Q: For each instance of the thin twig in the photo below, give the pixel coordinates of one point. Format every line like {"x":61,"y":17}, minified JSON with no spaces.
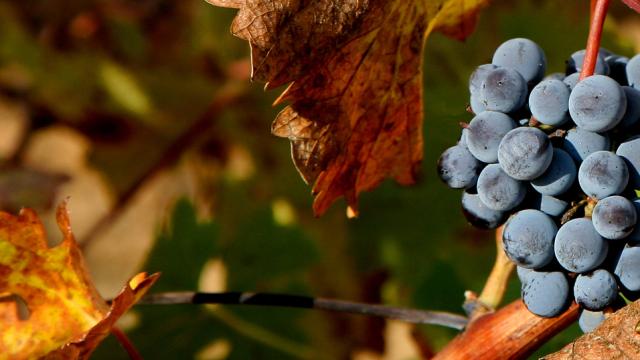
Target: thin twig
{"x":450,"y":320}
{"x":496,"y":285}
{"x":126,"y":343}
{"x":228,"y":94}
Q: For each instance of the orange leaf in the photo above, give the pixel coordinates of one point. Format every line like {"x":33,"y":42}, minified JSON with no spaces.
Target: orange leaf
{"x":356,"y":83}
{"x":66,"y":313}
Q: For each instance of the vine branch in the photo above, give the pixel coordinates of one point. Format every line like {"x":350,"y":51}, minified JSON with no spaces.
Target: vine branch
{"x":598,"y":14}
{"x":415,"y":316}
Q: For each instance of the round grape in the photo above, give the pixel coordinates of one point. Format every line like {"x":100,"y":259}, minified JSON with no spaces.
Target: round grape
{"x":596,"y":290}
{"x":478,"y":214}
{"x":549,"y":102}
{"x":571,"y":80}
{"x":579,"y":143}
{"x":603,"y":174}
{"x":525,"y":153}
{"x":632,"y":112}
{"x":630,"y":152}
{"x":559,"y":176}
{"x":618,"y":68}
{"x":578,"y":246}
{"x":485,"y":132}
{"x":522,"y":55}
{"x":528,"y":238}
{"x":497,"y":190}
{"x":458,"y":168}
{"x":574,"y":64}
{"x":633,"y":71}
{"x":627,"y":268}
{"x":614,"y":217}
{"x":546,"y":294}
{"x":597,"y":103}
{"x":503,"y":90}
{"x":550,"y":205}
{"x":589,"y":320}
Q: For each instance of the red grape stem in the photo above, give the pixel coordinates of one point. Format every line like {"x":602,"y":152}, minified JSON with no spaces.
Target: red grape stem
{"x":598,"y":14}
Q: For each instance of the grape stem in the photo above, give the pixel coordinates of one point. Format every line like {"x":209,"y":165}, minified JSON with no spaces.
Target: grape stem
{"x":446,"y":319}
{"x":496,"y":284}
{"x":598,"y":14}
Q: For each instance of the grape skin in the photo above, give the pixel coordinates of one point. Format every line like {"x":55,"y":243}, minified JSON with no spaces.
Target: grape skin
{"x":571,"y":80}
{"x":458,"y":168}
{"x":559,"y":176}
{"x":485,"y":132}
{"x":549,"y":102}
{"x":597,"y":103}
{"x":633,"y":71}
{"x":478,"y":214}
{"x":475,"y":84}
{"x":614,"y":217}
{"x":603,"y":174}
{"x":545,"y":294}
{"x":528,"y":238}
{"x":627,"y":268}
{"x":630,"y":152}
{"x":589,"y":320}
{"x":552,"y":206}
{"x":574,"y":64}
{"x":596,"y":290}
{"x":580,"y":143}
{"x":618,"y":68}
{"x":578,"y":246}
{"x":522,"y":55}
{"x":632,"y":112}
{"x":525,"y":153}
{"x":503,"y":90}
{"x":497,"y":190}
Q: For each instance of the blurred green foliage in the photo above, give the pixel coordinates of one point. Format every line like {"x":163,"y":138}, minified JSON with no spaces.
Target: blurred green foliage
{"x":133,"y":75}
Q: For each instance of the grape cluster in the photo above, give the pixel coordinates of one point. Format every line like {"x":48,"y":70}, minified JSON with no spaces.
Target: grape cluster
{"x":558,"y":160}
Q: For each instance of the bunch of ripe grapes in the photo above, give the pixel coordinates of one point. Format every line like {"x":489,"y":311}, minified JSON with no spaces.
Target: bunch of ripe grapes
{"x":558,"y":159}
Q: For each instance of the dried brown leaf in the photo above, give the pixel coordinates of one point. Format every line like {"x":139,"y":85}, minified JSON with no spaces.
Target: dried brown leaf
{"x":354,"y":69}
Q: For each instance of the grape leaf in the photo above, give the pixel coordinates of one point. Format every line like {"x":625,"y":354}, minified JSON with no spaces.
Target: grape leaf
{"x":66,"y":317}
{"x":634,"y":4}
{"x":354,"y":69}
{"x":618,"y":337}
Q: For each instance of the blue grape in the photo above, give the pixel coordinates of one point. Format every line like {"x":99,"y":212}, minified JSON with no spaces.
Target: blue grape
{"x":559,"y":176}
{"x":485,"y":132}
{"x":630,"y":152}
{"x":503,"y":90}
{"x":478,"y":76}
{"x":634,"y":237}
{"x":579,"y":143}
{"x":555,"y":76}
{"x":463,"y":138}
{"x":475,"y":84}
{"x":578,"y":246}
{"x":525,"y":153}
{"x":546,"y":294}
{"x":458,"y":168}
{"x":571,"y":80}
{"x":614,"y":217}
{"x":528,"y":238}
{"x":478,"y":214}
{"x":597,"y":103}
{"x":632,"y":112}
{"x":523,"y":273}
{"x":522,"y":55}
{"x":633,"y":71}
{"x":603,"y":174}
{"x":574,"y":64}
{"x":549,"y":102}
{"x":627,"y":268}
{"x":589,"y":320}
{"x":550,"y":205}
{"x":497,"y":190}
{"x":596,"y":290}
{"x":618,"y":68}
